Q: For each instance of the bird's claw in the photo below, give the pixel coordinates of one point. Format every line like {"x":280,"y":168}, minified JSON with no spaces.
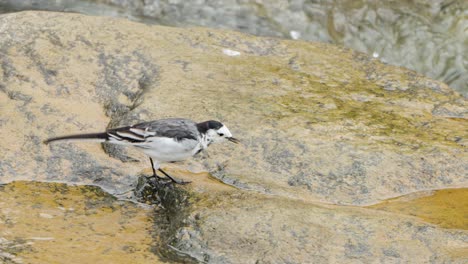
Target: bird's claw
{"x":167,"y":180}
{"x":181,"y":182}
{"x":156,"y":177}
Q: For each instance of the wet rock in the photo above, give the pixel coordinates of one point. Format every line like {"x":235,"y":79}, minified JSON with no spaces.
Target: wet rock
{"x":442,"y":207}
{"x":319,"y":125}
{"x":173,"y":207}
{"x":55,"y":222}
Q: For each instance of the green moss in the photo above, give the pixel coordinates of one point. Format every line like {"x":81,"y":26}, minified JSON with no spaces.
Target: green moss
{"x":378,"y":117}
{"x":374,"y":102}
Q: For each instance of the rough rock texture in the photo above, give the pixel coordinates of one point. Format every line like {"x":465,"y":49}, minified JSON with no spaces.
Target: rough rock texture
{"x":229,"y":228}
{"x":318,"y":124}
{"x":384,"y":29}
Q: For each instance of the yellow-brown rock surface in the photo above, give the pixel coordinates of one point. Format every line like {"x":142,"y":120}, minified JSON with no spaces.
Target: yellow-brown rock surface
{"x":320,"y":125}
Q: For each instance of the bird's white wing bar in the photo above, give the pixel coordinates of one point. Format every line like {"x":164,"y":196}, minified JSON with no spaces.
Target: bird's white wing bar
{"x":145,"y":133}
{"x":125,"y":134}
{"x":114,"y":137}
{"x":130,"y":134}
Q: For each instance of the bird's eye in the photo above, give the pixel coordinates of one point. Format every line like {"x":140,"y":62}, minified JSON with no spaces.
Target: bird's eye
{"x":221,"y":134}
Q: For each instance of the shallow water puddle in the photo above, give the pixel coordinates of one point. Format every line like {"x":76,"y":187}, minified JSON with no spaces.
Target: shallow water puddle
{"x":59,"y":223}
{"x":447,"y":208}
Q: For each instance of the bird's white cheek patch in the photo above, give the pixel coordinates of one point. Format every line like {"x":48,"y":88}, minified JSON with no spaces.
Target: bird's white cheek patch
{"x":225,"y":131}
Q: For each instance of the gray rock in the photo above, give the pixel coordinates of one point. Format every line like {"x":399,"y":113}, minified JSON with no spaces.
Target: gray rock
{"x":319,"y":125}
{"x":423,"y":35}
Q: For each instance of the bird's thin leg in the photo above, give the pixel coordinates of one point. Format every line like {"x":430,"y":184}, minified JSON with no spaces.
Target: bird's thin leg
{"x":154,"y":171}
{"x":152,"y":167}
{"x":172,"y":179}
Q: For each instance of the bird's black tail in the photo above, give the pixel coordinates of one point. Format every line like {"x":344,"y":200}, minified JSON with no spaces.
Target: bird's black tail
{"x":96,"y":137}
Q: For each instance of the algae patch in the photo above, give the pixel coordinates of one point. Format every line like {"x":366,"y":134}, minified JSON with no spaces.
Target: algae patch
{"x":59,"y":223}
{"x":173,"y":208}
{"x":447,"y":208}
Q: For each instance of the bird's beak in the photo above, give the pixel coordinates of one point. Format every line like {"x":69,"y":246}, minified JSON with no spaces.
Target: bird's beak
{"x":233,"y":140}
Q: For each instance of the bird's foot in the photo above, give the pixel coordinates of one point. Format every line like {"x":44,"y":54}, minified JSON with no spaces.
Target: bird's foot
{"x":167,"y":180}
{"x":157,"y":190}
{"x":156,"y":181}
{"x":155,"y":177}
{"x":174,"y":180}
{"x":181,"y":182}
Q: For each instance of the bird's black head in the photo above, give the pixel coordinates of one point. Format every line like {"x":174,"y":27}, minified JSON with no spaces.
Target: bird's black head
{"x":211,"y":124}
{"x":215,"y":131}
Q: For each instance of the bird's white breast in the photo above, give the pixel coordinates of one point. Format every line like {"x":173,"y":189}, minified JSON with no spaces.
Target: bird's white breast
{"x":168,"y":149}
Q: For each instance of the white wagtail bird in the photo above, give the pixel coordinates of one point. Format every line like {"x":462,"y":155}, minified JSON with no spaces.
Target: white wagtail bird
{"x":164,"y":140}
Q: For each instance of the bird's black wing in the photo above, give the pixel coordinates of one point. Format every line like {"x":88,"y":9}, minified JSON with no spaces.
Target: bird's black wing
{"x":176,"y":128}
